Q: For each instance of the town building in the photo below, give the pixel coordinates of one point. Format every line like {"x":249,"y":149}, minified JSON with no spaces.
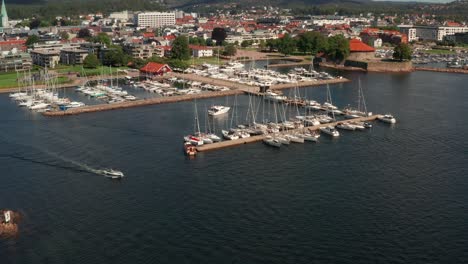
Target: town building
{"x":434,"y":33}
{"x":359,"y":51}
{"x":154,"y":19}
{"x":461,"y":38}
{"x":73,"y":56}
{"x":154,"y":69}
{"x":15,"y":62}
{"x":201,"y":51}
{"x":143,"y":51}
{"x":45,"y":58}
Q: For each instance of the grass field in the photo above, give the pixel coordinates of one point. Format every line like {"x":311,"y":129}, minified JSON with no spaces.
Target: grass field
{"x":210,"y":60}
{"x":439,"y":51}
{"x":88,"y":72}
{"x":9,"y":80}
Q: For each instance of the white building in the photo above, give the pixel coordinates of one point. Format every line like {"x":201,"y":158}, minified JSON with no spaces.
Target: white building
{"x":201,"y":51}
{"x":154,"y":19}
{"x":433,"y":33}
{"x":123,"y":16}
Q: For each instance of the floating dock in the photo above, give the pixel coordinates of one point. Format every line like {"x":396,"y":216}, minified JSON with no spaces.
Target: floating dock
{"x":241,"y":141}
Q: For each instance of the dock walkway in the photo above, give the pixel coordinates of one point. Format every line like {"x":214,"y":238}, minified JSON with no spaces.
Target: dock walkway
{"x":241,"y":141}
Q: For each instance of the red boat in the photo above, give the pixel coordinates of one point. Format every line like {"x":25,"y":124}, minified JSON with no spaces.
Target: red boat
{"x":189,"y":149}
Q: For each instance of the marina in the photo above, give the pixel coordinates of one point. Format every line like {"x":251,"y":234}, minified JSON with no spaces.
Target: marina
{"x":253,"y":139}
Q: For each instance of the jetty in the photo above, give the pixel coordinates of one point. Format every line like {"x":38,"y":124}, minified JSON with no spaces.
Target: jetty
{"x":448,"y":70}
{"x":241,"y":141}
{"x":137,"y":103}
{"x":236,"y":88}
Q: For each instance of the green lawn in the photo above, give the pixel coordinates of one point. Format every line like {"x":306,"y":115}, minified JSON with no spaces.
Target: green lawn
{"x":9,"y":80}
{"x":210,"y":60}
{"x":88,"y":72}
{"x":439,"y":51}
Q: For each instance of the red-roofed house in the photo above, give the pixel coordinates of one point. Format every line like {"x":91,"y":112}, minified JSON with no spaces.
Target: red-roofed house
{"x":8,"y":45}
{"x":360,"y":51}
{"x":155,"y":69}
{"x":148,"y":35}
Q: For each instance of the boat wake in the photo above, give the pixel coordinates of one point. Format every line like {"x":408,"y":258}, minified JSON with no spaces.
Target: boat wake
{"x":73,"y":165}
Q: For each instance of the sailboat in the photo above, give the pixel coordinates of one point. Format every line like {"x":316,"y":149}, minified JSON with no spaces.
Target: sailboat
{"x":361,"y":110}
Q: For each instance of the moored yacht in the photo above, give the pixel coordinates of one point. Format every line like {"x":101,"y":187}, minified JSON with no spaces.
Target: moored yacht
{"x":218,"y":110}
{"x":330,"y":130}
{"x":346,"y":126}
{"x":269,"y":140}
{"x":387,"y":119}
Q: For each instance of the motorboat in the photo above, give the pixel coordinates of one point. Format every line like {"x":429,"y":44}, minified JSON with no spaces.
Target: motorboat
{"x":358,"y":125}
{"x":294,"y":138}
{"x":189,"y":149}
{"x":367,"y":124}
{"x":330,"y":130}
{"x":218,"y":110}
{"x":38,"y":106}
{"x":114,"y":174}
{"x":387,"y":119}
{"x":283,"y":140}
{"x":346,"y":126}
{"x":74,"y":105}
{"x":269,"y":140}
{"x":308,"y":136}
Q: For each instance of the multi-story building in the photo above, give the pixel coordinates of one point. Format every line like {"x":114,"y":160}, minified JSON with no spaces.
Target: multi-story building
{"x":45,"y":58}
{"x":433,"y":33}
{"x":154,"y":19}
{"x":15,"y":62}
{"x":73,"y":56}
{"x":458,"y":37}
{"x":410,"y":31}
{"x":142,"y":51}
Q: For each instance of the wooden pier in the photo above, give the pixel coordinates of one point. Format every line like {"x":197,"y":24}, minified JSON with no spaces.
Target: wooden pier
{"x":241,"y":141}
{"x":141,"y":102}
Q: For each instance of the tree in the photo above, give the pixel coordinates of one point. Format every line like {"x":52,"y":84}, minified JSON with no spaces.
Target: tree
{"x":31,"y":40}
{"x":246,"y":43}
{"x":286,"y":45}
{"x":34,"y":23}
{"x":272,"y":44}
{"x":91,"y":61}
{"x":338,"y":48}
{"x":312,"y":42}
{"x":84,"y":33}
{"x":114,"y":56}
{"x":64,"y":35}
{"x":219,"y":34}
{"x":180,"y":49}
{"x":262,"y":45}
{"x":402,"y":52}
{"x":209,"y":42}
{"x":230,"y":50}
{"x":180,"y":64}
{"x":102,"y":38}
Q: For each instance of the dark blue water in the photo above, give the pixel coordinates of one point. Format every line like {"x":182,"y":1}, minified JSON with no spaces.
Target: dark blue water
{"x":387,"y":195}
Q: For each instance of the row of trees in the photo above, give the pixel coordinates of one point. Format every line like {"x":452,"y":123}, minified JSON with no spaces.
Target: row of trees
{"x":336,"y":47}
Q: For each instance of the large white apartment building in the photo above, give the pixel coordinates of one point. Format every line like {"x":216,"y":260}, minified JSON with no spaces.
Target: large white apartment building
{"x":433,"y":33}
{"x":154,"y":19}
